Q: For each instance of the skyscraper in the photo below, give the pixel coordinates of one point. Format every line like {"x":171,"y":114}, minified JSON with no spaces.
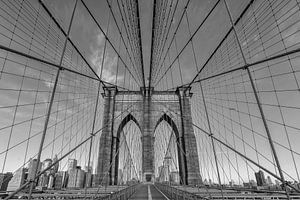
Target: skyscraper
{"x":46,"y":163}
{"x":260,"y":178}
{"x":269,"y":181}
{"x":72,"y":164}
{"x":88,"y":168}
{"x":17,"y":180}
{"x":56,"y":166}
{"x":4,"y":179}
{"x":33,"y":164}
{"x":76,"y":178}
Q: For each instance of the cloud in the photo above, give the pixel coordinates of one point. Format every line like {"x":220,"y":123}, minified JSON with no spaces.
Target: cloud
{"x":108,"y":74}
{"x":110,"y":61}
{"x":49,"y":84}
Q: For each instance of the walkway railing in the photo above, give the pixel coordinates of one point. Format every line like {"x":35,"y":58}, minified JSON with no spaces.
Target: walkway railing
{"x":175,"y":193}
{"x":121,"y":194}
{"x":178,"y":193}
{"x":109,"y":193}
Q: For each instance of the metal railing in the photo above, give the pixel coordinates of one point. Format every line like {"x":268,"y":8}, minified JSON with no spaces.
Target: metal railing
{"x":176,"y":193}
{"x":121,"y":194}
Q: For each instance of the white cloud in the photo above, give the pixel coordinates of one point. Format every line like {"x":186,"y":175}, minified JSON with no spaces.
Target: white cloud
{"x":49,"y":84}
{"x":110,"y":61}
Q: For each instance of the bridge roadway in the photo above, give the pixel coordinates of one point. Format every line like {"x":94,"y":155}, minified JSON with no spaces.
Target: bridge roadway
{"x":148,"y":192}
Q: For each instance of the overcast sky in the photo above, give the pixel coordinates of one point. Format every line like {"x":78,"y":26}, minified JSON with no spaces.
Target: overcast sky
{"x":90,"y":41}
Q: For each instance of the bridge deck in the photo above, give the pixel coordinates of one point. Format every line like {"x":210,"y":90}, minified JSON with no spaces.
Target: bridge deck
{"x":148,"y":191}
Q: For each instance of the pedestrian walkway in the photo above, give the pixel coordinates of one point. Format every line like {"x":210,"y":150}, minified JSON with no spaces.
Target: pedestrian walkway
{"x":148,"y":192}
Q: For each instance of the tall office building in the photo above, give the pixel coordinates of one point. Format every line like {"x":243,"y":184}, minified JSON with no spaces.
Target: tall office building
{"x":89,"y":168}
{"x":88,"y":179}
{"x":72,"y":164}
{"x":269,"y":181}
{"x":43,"y":181}
{"x":174,"y":177}
{"x":51,"y":181}
{"x":17,"y":180}
{"x":260,"y":178}
{"x":56,"y":166}
{"x":76,"y":178}
{"x":4,"y":180}
{"x":33,"y":164}
{"x":46,"y":163}
{"x":120,"y":176}
{"x":60,"y":180}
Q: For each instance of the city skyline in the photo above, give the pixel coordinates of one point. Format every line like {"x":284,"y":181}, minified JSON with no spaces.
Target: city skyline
{"x":201,"y":92}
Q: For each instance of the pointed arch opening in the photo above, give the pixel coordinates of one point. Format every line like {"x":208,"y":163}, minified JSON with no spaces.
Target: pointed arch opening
{"x":128,"y":151}
{"x":167,"y":155}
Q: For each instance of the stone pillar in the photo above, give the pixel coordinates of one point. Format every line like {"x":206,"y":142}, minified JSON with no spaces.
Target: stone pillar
{"x":116,"y":174}
{"x":113,"y":93}
{"x":103,"y":172}
{"x":187,"y":140}
{"x":147,"y":137}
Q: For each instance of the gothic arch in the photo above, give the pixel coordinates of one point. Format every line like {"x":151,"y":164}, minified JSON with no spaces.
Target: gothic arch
{"x":181,"y":156}
{"x":169,"y":120}
{"x":123,"y":123}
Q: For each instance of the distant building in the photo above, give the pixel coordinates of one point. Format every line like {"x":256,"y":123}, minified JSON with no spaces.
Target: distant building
{"x":56,"y":166}
{"x":96,"y":180}
{"x":174,"y":177}
{"x":269,"y":181}
{"x":43,"y":181}
{"x":17,"y":180}
{"x":120,"y":176}
{"x":72,"y":164}
{"x":72,"y":178}
{"x":51,"y":181}
{"x":260,"y":178}
{"x":4,"y":180}
{"x":80,"y":180}
{"x":58,"y":181}
{"x":253,"y":183}
{"x":163,"y":173}
{"x":247,"y":184}
{"x":89,"y":168}
{"x":46,"y":163}
{"x":61,"y":179}
{"x":88,"y":179}
{"x":32,"y":166}
{"x":76,"y":178}
{"x":160,"y":170}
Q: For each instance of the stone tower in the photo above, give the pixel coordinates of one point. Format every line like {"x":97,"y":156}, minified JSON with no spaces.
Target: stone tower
{"x":147,"y":111}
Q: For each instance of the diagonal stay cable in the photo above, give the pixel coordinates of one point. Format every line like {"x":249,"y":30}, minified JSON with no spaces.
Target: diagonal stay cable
{"x":103,"y":32}
{"x":239,"y":153}
{"x":62,"y":157}
{"x":140,"y":41}
{"x":189,"y":40}
{"x":121,"y":35}
{"x":224,"y":38}
{"x":174,"y":34}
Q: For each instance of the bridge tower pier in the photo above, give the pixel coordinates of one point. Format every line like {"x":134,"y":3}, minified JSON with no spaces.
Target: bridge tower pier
{"x":149,"y":112}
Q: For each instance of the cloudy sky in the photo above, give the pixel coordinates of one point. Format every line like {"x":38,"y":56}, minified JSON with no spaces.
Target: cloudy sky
{"x":26,"y":85}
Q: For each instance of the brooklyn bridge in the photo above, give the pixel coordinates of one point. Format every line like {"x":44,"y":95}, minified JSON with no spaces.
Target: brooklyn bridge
{"x":149,"y":99}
